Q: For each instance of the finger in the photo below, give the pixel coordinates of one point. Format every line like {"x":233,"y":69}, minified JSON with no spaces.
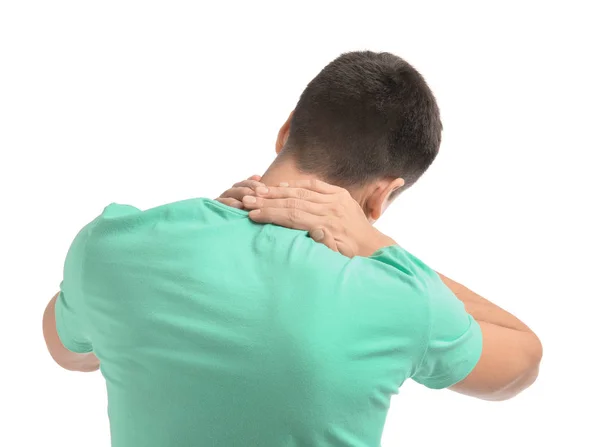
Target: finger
{"x":237,"y":193}
{"x":345,"y":249}
{"x":324,"y":236}
{"x":255,"y":177}
{"x":286,"y":217}
{"x":284,"y":192}
{"x":248,"y":184}
{"x":241,"y":189}
{"x":317,"y":209}
{"x":316,"y":186}
{"x":230,"y":202}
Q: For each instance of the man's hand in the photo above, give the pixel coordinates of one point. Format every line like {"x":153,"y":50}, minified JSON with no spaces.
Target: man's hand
{"x":233,"y":196}
{"x":327,"y":212}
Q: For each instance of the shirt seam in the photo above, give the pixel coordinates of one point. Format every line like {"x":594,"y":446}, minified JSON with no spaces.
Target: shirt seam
{"x":428,"y":335}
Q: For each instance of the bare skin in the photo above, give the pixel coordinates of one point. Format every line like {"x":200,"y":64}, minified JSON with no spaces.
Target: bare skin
{"x":69,"y":360}
{"x":511,"y":351}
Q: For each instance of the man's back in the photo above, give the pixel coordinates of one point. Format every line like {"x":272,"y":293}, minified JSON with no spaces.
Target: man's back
{"x":213,"y":330}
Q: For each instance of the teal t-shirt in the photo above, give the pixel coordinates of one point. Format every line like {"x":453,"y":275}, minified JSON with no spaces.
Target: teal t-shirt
{"x":212,"y":330}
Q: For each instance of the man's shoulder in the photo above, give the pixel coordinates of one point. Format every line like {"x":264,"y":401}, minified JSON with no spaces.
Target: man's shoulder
{"x":389,"y":274}
{"x":115,"y":210}
{"x":200,"y":210}
{"x":398,"y":265}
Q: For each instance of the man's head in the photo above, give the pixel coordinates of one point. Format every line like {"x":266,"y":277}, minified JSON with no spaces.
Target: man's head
{"x":367,"y":122}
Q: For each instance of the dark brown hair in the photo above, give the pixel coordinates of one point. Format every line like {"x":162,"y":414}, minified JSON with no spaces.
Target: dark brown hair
{"x":365,"y":116}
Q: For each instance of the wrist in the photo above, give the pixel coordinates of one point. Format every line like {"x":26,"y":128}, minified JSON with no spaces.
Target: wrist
{"x":373,"y":241}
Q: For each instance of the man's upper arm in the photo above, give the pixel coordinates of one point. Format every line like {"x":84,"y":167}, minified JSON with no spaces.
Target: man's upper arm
{"x":455,"y":340}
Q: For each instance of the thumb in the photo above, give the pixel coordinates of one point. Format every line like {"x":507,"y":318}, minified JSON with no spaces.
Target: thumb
{"x":324,"y":237}
{"x":346,"y":250}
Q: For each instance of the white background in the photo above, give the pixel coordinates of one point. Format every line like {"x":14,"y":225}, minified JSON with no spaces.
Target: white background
{"x":146,"y":103}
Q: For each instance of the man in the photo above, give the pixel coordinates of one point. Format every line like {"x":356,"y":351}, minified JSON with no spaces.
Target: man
{"x":213,"y":330}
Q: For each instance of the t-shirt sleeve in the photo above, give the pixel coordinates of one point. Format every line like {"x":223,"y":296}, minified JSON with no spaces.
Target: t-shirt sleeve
{"x":451,"y":339}
{"x":455,"y":340}
{"x":70,"y":307}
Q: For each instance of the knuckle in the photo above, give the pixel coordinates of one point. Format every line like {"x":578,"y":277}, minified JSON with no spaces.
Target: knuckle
{"x":336,"y":226}
{"x":292,"y":203}
{"x":293,"y":214}
{"x":338,"y":210}
{"x":330,"y":224}
{"x":303,"y":194}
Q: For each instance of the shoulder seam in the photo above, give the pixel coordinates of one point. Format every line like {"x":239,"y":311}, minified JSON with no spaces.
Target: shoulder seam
{"x":428,"y":331}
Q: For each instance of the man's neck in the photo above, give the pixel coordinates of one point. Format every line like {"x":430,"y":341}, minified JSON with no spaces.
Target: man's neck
{"x":284,"y":171}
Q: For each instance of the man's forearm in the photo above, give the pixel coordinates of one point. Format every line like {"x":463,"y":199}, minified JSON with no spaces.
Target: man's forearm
{"x":511,"y":351}
{"x":483,"y":310}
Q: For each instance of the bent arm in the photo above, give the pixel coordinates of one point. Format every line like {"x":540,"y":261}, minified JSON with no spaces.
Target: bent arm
{"x":511,"y":353}
{"x":501,"y":353}
{"x":72,"y":361}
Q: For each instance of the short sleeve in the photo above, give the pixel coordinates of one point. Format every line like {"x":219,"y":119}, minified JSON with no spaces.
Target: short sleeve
{"x":70,"y":307}
{"x":455,"y":340}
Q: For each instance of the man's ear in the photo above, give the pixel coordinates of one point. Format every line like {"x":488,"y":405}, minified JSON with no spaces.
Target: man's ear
{"x":381,"y":197}
{"x":283,"y":134}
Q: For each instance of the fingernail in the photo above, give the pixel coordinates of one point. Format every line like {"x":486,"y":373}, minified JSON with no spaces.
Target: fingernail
{"x":318,"y":235}
{"x":262,"y":190}
{"x":254,"y":213}
{"x":249,"y":199}
{"x":284,"y":184}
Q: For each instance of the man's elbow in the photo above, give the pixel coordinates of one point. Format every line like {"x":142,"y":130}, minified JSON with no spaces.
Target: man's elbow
{"x":62,"y":356}
{"x":82,"y":363}
{"x":515,"y":388}
{"x":509,"y":366}
{"x":528,"y":376}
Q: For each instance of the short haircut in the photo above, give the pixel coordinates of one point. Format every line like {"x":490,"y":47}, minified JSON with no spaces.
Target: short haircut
{"x":365,"y":116}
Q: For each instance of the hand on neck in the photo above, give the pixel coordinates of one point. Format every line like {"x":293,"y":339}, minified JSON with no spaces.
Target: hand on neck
{"x":285,"y":171}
